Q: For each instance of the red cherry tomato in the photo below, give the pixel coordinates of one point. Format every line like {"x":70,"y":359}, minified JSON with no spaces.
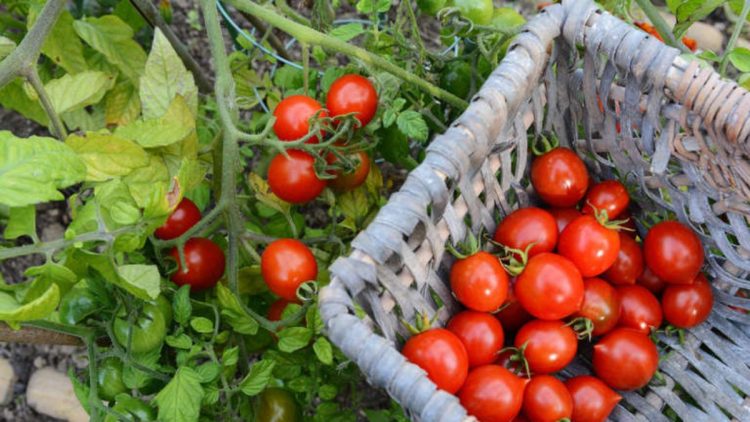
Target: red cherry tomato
{"x":625,"y":359}
{"x":593,"y":401}
{"x":346,"y":181}
{"x":353,"y":94}
{"x":547,"y":400}
{"x":629,"y":263}
{"x":185,"y":216}
{"x":525,"y":226}
{"x":559,"y":177}
{"x":687,"y":305}
{"x":673,"y":252}
{"x":277,"y":309}
{"x":639,"y":309}
{"x":650,"y":281}
{"x":610,"y":196}
{"x":481,"y":334}
{"x":592,"y":247}
{"x":442,"y":355}
{"x":548,"y":346}
{"x":492,"y":394}
{"x":479,"y":282}
{"x":550,"y":287}
{"x":204,"y":264}
{"x":293,"y":179}
{"x":512,"y":315}
{"x":600,"y":304}
{"x":563,"y":216}
{"x":293,"y":116}
{"x":285,"y":265}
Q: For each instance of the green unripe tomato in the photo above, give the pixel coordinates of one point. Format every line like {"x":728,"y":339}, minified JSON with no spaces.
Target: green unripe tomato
{"x":166,"y":309}
{"x":131,"y":409}
{"x":431,"y":7}
{"x":478,"y":11}
{"x":276,"y":405}
{"x":109,"y":378}
{"x":456,"y":78}
{"x":149,"y":329}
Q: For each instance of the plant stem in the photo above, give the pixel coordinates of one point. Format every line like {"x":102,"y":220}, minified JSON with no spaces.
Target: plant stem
{"x":54,"y":245}
{"x":151,"y":14}
{"x":733,"y":39}
{"x":661,"y":26}
{"x":26,"y":54}
{"x":56,"y":124}
{"x":308,"y":35}
{"x":273,"y":40}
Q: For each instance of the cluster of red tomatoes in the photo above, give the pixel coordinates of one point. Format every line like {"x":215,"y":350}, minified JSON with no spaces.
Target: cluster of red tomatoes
{"x":293,"y":177}
{"x":574,"y":273}
{"x":204,"y":259}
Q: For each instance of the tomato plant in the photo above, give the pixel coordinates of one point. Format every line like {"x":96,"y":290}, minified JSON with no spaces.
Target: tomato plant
{"x":293,"y":116}
{"x":143,"y":331}
{"x":442,"y":355}
{"x":353,"y":94}
{"x":349,"y":180}
{"x":204,"y":264}
{"x":479,"y":282}
{"x":277,"y":405}
{"x":625,"y":359}
{"x":185,"y":216}
{"x":548,"y":346}
{"x":550,"y":287}
{"x":492,"y":393}
{"x":109,"y":379}
{"x":481,"y":334}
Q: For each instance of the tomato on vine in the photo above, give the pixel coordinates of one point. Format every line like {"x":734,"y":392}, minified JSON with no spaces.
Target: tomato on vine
{"x":479,"y":282}
{"x":204,"y":264}
{"x":285,"y":265}
{"x":109,"y":379}
{"x":184,"y":216}
{"x":456,"y":78}
{"x":277,"y":405}
{"x":146,"y":331}
{"x":548,"y":346}
{"x":629,"y":263}
{"x":481,"y":333}
{"x":350,"y":180}
{"x":442,"y":355}
{"x":550,"y":287}
{"x":610,"y":196}
{"x":592,"y":246}
{"x":559,"y":177}
{"x":353,"y":94}
{"x":293,"y":178}
{"x":293,"y":116}
{"x":491,"y":393}
{"x":530,"y":227}
{"x":625,"y":359}
{"x":601,"y":305}
{"x":593,"y":400}
{"x":673,"y":252}
{"x":547,"y":400}
{"x":687,"y":305}
{"x":639,"y":309}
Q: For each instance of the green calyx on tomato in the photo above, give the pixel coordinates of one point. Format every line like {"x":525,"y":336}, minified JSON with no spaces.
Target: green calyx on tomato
{"x":276,"y":405}
{"x":146,"y":332}
{"x":109,"y":378}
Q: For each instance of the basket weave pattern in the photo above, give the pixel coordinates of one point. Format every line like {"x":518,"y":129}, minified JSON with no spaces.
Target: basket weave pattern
{"x":633,"y":109}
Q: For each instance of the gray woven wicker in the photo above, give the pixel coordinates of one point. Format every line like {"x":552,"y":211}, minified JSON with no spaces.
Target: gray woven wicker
{"x":684,"y":143}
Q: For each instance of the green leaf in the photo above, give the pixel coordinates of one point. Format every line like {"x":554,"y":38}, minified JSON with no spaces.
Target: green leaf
{"x":294,"y":338}
{"x":50,"y":273}
{"x":116,"y":203}
{"x":264,"y":195}
{"x":13,"y":96}
{"x":63,"y":46}
{"x":85,"y":119}
{"x":33,"y":169}
{"x":12,"y":311}
{"x":208,"y":371}
{"x":412,"y":124}
{"x":289,"y":78}
{"x":182,"y":341}
{"x":313,"y":319}
{"x":744,"y":80}
{"x":141,"y":288}
{"x":122,"y":104}
{"x":181,"y":305}
{"x":232,"y":310}
{"x":144,"y":278}
{"x":6,"y":47}
{"x":348,"y":31}
{"x":107,"y":156}
{"x":370,"y":6}
{"x":230,"y":357}
{"x":180,"y":400}
{"x":153,"y":133}
{"x":691,"y":11}
{"x":740,"y":58}
{"x":328,"y":392}
{"x":80,"y":389}
{"x":258,"y":378}
{"x":112,"y":37}
{"x":21,"y":222}
{"x":212,"y":396}
{"x":323,"y":350}
{"x":135,"y":378}
{"x":165,"y":77}
{"x":129,"y":14}
{"x":329,"y":76}
{"x":354,"y":205}
{"x":202,"y":325}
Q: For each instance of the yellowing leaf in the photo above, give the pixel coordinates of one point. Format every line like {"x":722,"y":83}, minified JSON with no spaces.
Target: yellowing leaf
{"x":122,"y":105}
{"x":180,"y":399}
{"x":63,"y":46}
{"x":113,"y":38}
{"x":39,"y":308}
{"x":264,"y":195}
{"x":107,"y":156}
{"x":72,"y":92}
{"x":165,"y":77}
{"x":175,"y":125}
{"x":33,"y":169}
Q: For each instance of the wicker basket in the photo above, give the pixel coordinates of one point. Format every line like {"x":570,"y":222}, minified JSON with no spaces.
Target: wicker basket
{"x":684,"y":144}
